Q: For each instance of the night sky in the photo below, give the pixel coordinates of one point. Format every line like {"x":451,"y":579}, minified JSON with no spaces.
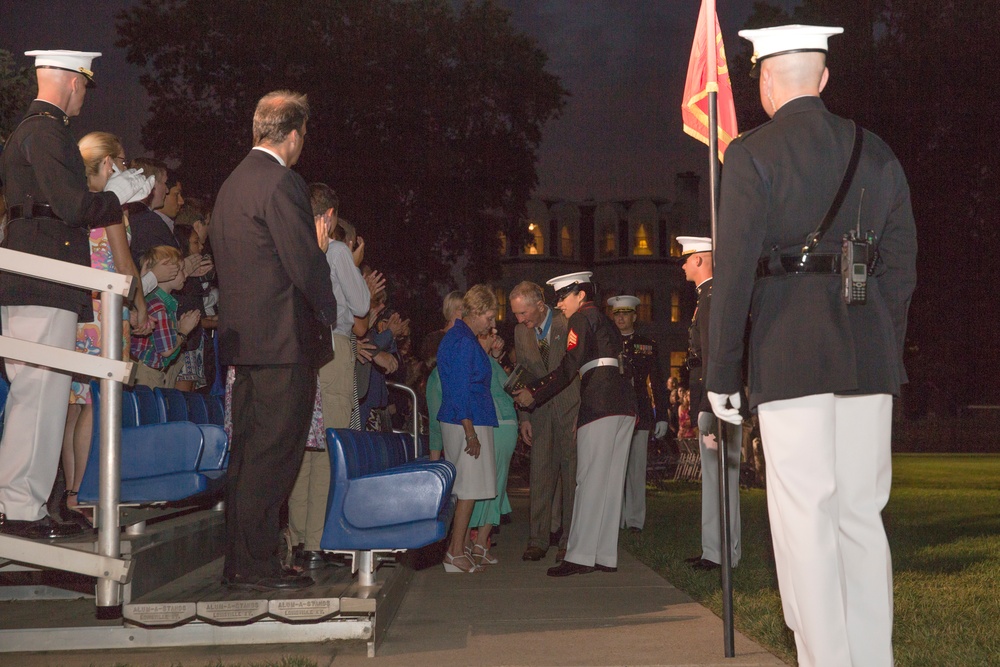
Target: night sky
{"x":624,"y":63}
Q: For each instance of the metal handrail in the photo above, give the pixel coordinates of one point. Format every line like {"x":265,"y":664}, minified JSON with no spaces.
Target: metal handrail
{"x":107,"y":565}
{"x":416,"y":415}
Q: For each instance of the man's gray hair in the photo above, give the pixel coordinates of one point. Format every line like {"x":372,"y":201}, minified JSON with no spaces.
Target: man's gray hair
{"x":528,"y":291}
{"x":277,"y":114}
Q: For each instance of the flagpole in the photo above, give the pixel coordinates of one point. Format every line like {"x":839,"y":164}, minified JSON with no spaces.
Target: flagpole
{"x":726,"y":569}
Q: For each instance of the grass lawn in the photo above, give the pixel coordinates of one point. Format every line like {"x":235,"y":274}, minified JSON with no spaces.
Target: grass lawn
{"x":943,"y":522}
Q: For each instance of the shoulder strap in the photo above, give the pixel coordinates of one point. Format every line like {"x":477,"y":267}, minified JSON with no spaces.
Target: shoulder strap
{"x":845,"y":184}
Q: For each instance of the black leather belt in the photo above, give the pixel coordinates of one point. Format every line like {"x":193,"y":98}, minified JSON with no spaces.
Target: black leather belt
{"x":18,"y":211}
{"x":819,"y":263}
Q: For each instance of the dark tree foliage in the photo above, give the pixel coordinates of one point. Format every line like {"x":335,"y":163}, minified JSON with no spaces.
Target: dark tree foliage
{"x":916,"y":73}
{"x":425,"y":118}
{"x":17,"y":89}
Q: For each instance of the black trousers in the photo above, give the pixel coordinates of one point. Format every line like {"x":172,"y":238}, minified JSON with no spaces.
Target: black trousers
{"x":271,"y":411}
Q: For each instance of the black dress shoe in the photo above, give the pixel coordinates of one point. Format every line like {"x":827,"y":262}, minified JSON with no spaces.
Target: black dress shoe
{"x":692,"y":560}
{"x":533,"y":553}
{"x":310,"y":560}
{"x":566,"y":568}
{"x":705,"y":565}
{"x":604,"y":568}
{"x":560,"y":555}
{"x":45,"y":528}
{"x":282,"y":582}
{"x":635,"y":530}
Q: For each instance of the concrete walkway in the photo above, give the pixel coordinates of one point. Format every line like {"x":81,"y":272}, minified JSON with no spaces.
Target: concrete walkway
{"x":513,"y":614}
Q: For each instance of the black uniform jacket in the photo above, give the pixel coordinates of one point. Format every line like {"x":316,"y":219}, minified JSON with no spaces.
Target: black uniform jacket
{"x":642,"y":356}
{"x":276,"y":302}
{"x":41,"y":163}
{"x":777,"y":184}
{"x":697,"y":347}
{"x":604,"y":391}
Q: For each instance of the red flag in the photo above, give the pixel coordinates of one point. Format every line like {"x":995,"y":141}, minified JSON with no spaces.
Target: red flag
{"x":708,"y":72}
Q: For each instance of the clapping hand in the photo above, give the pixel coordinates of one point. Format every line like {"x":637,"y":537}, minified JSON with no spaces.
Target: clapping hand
{"x":375,"y":282}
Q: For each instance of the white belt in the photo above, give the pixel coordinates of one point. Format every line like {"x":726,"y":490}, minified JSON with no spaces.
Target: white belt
{"x":596,"y":363}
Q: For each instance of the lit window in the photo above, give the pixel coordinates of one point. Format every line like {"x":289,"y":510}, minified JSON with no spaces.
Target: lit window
{"x":678,"y":360}
{"x":503,"y":244}
{"x":537,"y":244}
{"x":675,"y":307}
{"x":608,"y":237}
{"x":642,"y":246}
{"x":675,"y":247}
{"x":565,"y":243}
{"x":501,"y":303}
{"x":644,"y":311}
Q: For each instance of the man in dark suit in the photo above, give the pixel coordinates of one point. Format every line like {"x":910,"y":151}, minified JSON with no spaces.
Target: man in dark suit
{"x":540,"y":344}
{"x":642,"y":358}
{"x":823,"y":368}
{"x":276,"y":310}
{"x":51,"y":213}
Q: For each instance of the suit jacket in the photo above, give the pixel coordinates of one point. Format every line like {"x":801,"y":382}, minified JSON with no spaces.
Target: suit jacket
{"x":562,"y":410}
{"x":148,"y":231}
{"x":698,"y":348}
{"x":276,"y":302}
{"x":777,"y":185}
{"x":41,"y":163}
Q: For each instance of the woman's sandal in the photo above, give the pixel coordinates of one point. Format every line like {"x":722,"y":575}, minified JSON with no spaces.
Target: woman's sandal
{"x":483,"y":555}
{"x":81,"y":515}
{"x":454,"y":564}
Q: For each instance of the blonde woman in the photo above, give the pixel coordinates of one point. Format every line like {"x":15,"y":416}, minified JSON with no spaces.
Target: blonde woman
{"x":468,"y":417}
{"x":102,"y":153}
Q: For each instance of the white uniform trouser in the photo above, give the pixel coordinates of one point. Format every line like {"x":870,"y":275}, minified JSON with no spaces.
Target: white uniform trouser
{"x":35,"y":416}
{"x":601,"y":455}
{"x":829,"y":471}
{"x":634,"y":500}
{"x":711,"y":516}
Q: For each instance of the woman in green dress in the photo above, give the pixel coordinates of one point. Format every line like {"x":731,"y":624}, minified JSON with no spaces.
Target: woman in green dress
{"x":486,"y":513}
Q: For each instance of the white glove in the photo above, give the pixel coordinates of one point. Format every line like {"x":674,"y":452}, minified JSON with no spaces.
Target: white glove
{"x":722,"y":411}
{"x":660,"y":430}
{"x":130,"y":185}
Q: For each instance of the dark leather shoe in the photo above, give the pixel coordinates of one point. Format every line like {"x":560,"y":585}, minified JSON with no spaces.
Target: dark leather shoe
{"x":533,"y":553}
{"x":566,"y":568}
{"x":635,"y":530}
{"x":560,"y":555}
{"x":705,"y":565}
{"x":692,"y":560}
{"x":283,"y":582}
{"x":45,"y":528}
{"x":604,"y":568}
{"x":310,"y":560}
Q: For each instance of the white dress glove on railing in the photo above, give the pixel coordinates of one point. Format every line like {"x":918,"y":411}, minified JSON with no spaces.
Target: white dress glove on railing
{"x":660,"y":430}
{"x":130,"y":185}
{"x":729,"y":413}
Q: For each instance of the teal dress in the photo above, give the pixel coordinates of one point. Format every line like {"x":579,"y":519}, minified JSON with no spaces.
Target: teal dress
{"x":504,"y":441}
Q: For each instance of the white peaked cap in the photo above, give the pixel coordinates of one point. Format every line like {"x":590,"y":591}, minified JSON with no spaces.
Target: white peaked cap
{"x":693,"y":244}
{"x":73,"y":61}
{"x":782,"y":39}
{"x":623,"y":302}
{"x":570,"y":279}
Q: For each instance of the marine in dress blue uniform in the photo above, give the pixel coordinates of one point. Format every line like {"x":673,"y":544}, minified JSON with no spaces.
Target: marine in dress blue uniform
{"x":51,"y":212}
{"x":641,"y":357}
{"x":697,"y":253}
{"x":603,"y":428}
{"x":822,"y":372}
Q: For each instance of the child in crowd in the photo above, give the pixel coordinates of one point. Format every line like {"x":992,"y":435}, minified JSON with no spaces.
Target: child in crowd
{"x":157,"y":352}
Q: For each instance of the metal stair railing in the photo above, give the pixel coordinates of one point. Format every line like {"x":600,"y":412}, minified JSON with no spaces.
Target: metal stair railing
{"x":107,"y":565}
